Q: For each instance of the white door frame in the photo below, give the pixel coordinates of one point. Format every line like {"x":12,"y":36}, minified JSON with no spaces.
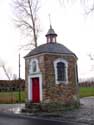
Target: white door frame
{"x":30,"y":86}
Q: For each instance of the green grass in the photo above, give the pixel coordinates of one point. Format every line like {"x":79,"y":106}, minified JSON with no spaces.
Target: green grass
{"x":12,"y":97}
{"x":86,"y":91}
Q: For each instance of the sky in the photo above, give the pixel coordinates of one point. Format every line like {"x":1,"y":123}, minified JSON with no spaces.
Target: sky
{"x":75,"y":30}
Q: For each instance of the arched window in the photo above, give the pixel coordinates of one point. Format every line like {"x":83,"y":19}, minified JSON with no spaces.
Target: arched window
{"x":33,"y":66}
{"x":61,"y":71}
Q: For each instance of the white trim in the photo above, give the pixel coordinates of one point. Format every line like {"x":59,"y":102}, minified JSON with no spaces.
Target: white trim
{"x":31,"y":66}
{"x":29,"y":89}
{"x":30,"y":86}
{"x":66,"y":70}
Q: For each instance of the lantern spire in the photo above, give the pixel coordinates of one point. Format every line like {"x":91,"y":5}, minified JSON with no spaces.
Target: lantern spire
{"x":51,"y":35}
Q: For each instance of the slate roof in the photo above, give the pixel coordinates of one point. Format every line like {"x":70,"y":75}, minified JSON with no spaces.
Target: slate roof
{"x":54,"y":48}
{"x":51,"y":32}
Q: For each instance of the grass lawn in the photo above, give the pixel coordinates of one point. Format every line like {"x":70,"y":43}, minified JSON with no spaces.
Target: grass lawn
{"x":86,"y":91}
{"x":12,"y":97}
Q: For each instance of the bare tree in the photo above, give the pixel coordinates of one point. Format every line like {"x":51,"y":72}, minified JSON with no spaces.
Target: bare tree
{"x":26,"y":14}
{"x":6,"y":70}
{"x":91,"y":56}
{"x":88,"y":5}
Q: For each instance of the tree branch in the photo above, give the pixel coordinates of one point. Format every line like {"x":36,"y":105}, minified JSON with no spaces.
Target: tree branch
{"x":5,"y":71}
{"x":26,"y":13}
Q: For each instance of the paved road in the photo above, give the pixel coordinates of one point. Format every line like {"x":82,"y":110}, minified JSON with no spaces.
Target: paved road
{"x":12,"y":119}
{"x":87,"y":102}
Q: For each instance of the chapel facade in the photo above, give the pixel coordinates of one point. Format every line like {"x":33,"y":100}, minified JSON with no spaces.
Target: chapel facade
{"x":51,"y":73}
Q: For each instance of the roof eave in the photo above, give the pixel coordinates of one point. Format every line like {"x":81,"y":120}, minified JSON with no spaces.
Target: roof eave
{"x":69,"y":54}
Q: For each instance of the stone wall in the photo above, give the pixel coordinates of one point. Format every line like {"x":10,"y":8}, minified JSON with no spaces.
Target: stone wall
{"x":12,"y":85}
{"x":62,"y":92}
{"x":49,"y":68}
{"x":66,"y":93}
{"x":86,"y":84}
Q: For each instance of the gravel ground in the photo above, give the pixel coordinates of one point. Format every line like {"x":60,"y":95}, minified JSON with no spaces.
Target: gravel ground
{"x":85,"y":114}
{"x":12,"y":108}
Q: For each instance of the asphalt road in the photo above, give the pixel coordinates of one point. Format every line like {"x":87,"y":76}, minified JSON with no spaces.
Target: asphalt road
{"x":14,"y":119}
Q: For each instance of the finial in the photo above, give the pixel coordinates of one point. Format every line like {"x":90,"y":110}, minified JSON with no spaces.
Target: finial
{"x":50,"y":21}
{"x":51,"y":35}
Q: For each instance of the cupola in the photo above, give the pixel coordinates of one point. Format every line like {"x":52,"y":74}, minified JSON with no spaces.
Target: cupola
{"x":51,"y":35}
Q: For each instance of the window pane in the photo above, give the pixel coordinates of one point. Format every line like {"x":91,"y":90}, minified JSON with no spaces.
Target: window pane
{"x":61,"y":75}
{"x":34,"y":66}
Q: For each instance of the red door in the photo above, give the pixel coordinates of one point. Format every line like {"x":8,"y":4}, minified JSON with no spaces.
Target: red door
{"x":35,"y":90}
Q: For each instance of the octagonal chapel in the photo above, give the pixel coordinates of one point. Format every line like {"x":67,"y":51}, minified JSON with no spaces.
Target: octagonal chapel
{"x":51,"y":72}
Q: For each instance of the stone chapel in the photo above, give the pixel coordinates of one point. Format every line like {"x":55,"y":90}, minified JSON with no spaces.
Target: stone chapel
{"x":51,"y":73}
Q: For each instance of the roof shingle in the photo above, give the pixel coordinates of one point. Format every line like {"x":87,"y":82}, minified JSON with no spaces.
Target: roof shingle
{"x":55,"y":48}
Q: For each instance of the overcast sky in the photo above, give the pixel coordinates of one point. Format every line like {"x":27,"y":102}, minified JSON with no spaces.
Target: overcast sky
{"x":75,"y":30}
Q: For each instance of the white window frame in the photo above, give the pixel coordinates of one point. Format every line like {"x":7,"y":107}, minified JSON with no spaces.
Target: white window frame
{"x":66,"y":70}
{"x":31,"y":66}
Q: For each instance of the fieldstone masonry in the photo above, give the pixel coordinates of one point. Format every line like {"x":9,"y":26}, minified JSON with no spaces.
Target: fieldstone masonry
{"x":46,"y":54}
